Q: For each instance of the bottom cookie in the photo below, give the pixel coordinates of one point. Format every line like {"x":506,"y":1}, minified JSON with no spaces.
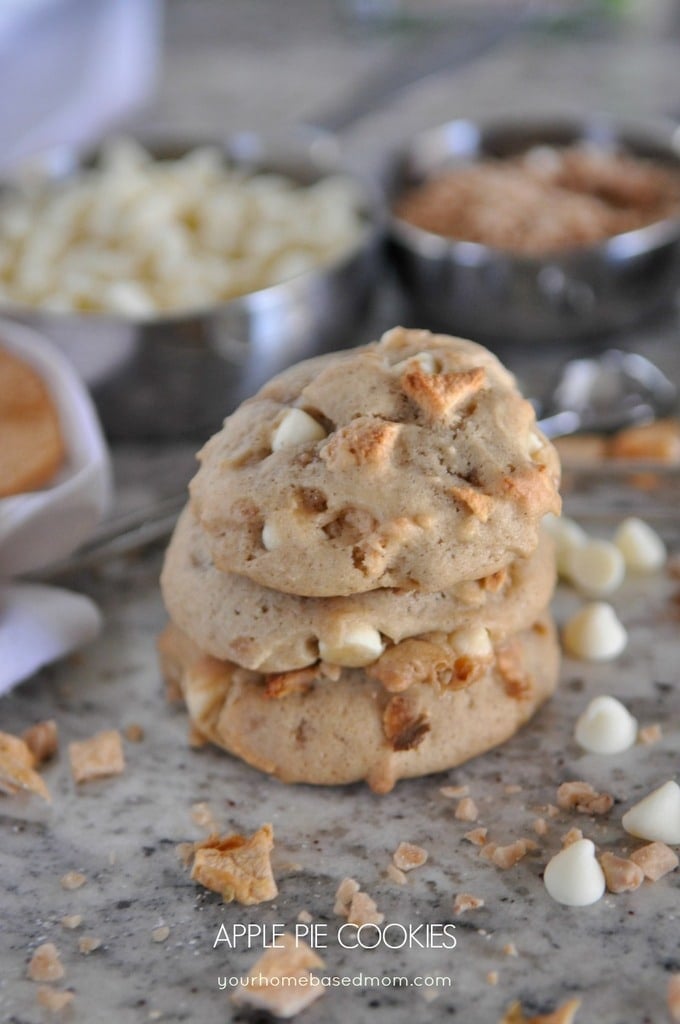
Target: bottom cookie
{"x":331,"y":732}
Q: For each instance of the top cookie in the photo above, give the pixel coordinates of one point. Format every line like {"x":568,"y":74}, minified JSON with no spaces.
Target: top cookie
{"x":412,"y":462}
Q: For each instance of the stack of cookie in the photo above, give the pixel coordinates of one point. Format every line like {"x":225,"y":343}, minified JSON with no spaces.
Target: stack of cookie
{"x":358,"y":588}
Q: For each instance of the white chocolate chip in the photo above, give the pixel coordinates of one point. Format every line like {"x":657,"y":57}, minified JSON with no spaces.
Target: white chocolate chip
{"x":574,"y":877}
{"x":595,"y":633}
{"x":606,"y":727}
{"x":425,"y":360}
{"x":596,"y":567}
{"x":641,"y":546}
{"x":296,"y":427}
{"x":472,"y":642}
{"x":534,"y":443}
{"x":657,"y":816}
{"x":567,"y":535}
{"x":271,"y":537}
{"x":360,"y":645}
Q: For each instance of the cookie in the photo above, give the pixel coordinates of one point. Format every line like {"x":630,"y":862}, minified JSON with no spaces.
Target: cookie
{"x":331,"y":732}
{"x":32,"y":445}
{"x":233,"y":618}
{"x":412,"y":462}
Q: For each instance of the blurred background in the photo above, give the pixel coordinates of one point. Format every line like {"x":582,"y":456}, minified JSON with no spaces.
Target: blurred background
{"x":74,"y":68}
{"x":373,"y":72}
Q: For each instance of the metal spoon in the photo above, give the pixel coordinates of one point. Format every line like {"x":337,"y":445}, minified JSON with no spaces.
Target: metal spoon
{"x":603,"y":394}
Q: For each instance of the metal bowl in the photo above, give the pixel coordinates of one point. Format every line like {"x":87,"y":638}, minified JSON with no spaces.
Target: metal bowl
{"x":181,"y":374}
{"x":495,"y":296}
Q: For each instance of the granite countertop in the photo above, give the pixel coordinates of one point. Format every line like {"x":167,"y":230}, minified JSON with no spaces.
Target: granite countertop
{"x":121,"y":833}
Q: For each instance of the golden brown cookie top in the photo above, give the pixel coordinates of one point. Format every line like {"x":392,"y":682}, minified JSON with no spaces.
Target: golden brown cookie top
{"x":412,"y":462}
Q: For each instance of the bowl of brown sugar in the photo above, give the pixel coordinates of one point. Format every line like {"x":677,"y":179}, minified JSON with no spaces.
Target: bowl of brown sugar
{"x":537,"y":231}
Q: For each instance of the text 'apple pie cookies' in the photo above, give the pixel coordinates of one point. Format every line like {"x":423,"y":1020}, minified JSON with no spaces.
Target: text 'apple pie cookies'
{"x":358,"y":588}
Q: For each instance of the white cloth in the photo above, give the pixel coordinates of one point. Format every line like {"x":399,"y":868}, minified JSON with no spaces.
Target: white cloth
{"x":71,"y":69}
{"x":38,"y":623}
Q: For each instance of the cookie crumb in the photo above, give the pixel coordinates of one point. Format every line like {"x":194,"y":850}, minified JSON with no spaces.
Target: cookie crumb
{"x":564,"y":1014}
{"x":466,"y":810}
{"x":88,"y":943}
{"x":572,"y":836}
{"x":265,"y":988}
{"x":465,"y":901}
{"x":649,"y":734}
{"x":54,"y":1000}
{"x":540,"y":826}
{"x":45,"y":964}
{"x":98,"y":757}
{"x":42,"y":739}
{"x":621,"y":874}
{"x":513,"y":788}
{"x":673,"y":997}
{"x":510,"y":949}
{"x":72,"y":921}
{"x":195,"y":737}
{"x":202,"y":815}
{"x":134,"y":732}
{"x":304,"y":917}
{"x":344,"y":895}
{"x":16,"y":768}
{"x":454,"y":792}
{"x":72,"y":880}
{"x":396,"y":874}
{"x":363,"y":910}
{"x":237,"y":867}
{"x":408,"y":856}
{"x":492,"y":977}
{"x":580,"y":796}
{"x":477,"y":836}
{"x":505,"y":857}
{"x":160,"y":934}
{"x":655,"y":860}
{"x":185,"y":852}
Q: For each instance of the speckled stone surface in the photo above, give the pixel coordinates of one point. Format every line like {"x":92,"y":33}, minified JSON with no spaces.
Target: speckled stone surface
{"x":121,"y":833}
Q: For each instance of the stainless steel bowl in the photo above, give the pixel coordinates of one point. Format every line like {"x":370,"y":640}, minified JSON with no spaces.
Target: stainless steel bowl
{"x":181,"y":374}
{"x":495,"y":296}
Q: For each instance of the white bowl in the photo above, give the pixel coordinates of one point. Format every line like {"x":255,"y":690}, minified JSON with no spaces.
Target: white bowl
{"x":44,"y":526}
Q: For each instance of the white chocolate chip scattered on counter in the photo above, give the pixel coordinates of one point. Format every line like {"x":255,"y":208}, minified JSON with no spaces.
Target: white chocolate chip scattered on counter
{"x":296,"y":427}
{"x":641,"y":546}
{"x":568,"y":536}
{"x":606,"y":727}
{"x":574,"y":877}
{"x":657,"y":816}
{"x":360,"y":645}
{"x":596,"y":567}
{"x":595,"y":633}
